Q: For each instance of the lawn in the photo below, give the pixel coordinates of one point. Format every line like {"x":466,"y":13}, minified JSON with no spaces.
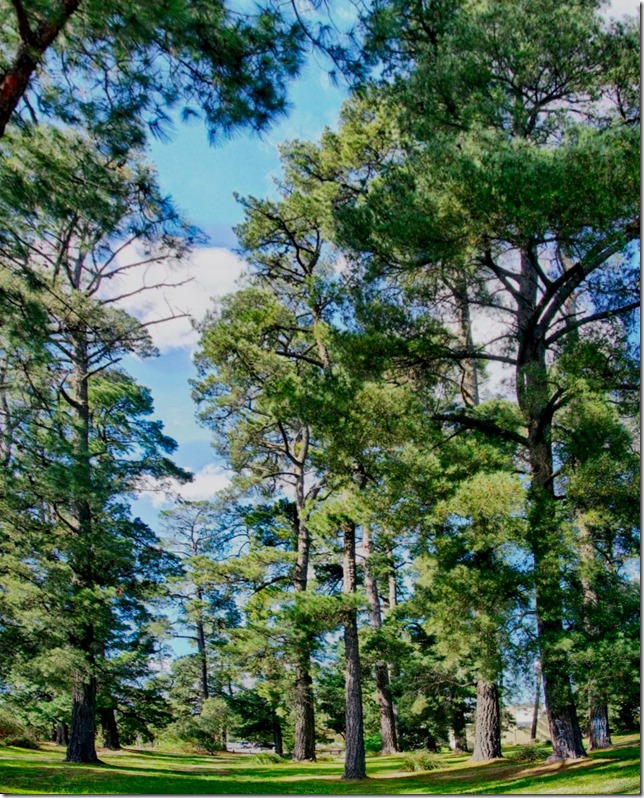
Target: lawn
{"x":138,"y":771}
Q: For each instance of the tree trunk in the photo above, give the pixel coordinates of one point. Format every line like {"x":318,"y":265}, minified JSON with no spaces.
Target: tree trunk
{"x":304,"y":741}
{"x":203,"y":659}
{"x":354,"y":762}
{"x":535,"y":712}
{"x":277,"y":736}
{"x":61,"y":733}
{"x":385,"y":700}
{"x":487,"y":733}
{"x":538,"y":407}
{"x":110,"y":729}
{"x":458,"y":726}
{"x":598,"y":723}
{"x":34,"y":44}
{"x":82,"y":744}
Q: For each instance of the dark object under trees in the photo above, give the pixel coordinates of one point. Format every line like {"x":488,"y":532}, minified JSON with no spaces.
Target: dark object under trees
{"x":109,"y":729}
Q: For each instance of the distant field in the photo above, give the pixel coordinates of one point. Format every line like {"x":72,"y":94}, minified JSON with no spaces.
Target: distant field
{"x":614,"y":772}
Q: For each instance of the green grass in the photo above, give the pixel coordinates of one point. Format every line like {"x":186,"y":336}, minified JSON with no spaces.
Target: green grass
{"x":135,"y":771}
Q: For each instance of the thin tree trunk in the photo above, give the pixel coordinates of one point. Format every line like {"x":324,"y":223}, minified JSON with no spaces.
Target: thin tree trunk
{"x":61,"y":733}
{"x":304,"y":741}
{"x":110,"y":729}
{"x":535,"y":712}
{"x":598,"y":728}
{"x":82,"y":744}
{"x":203,"y":658}
{"x":354,"y":762}
{"x":487,"y":732}
{"x":381,"y":673}
{"x":81,"y":747}
{"x":536,"y":403}
{"x":458,"y":725}
{"x":277,"y":736}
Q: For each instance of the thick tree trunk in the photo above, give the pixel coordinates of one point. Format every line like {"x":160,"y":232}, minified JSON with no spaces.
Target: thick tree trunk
{"x":277,"y":736}
{"x":354,"y":762}
{"x":61,"y":733}
{"x":598,"y":729}
{"x":110,"y":729}
{"x":535,"y":711}
{"x":82,"y":745}
{"x":487,"y":732}
{"x":304,"y":742}
{"x":381,"y":672}
{"x":458,"y":726}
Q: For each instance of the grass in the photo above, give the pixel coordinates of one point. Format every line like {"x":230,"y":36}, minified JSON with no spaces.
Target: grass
{"x":137,"y":771}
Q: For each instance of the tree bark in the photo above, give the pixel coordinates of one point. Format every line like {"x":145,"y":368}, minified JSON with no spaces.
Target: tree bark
{"x":61,"y":733}
{"x":381,"y":672}
{"x":538,"y":407}
{"x":598,"y":728}
{"x":201,"y":649}
{"x":535,"y":711}
{"x":304,"y":742}
{"x":82,"y":747}
{"x":458,"y":725}
{"x":33,"y":46}
{"x":354,"y":762}
{"x":110,"y":729}
{"x":277,"y":736}
{"x":487,"y":732}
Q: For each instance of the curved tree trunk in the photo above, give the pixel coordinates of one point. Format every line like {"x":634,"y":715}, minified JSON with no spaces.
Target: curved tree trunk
{"x":487,"y":733}
{"x":110,"y":729}
{"x":381,"y":672}
{"x":354,"y":762}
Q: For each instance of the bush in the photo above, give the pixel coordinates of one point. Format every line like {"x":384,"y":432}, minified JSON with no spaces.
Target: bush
{"x":21,"y":741}
{"x":14,"y":733}
{"x":532,"y":752}
{"x":421,"y":760}
{"x":373,"y":743}
{"x":9,"y":727}
{"x":266,"y":758}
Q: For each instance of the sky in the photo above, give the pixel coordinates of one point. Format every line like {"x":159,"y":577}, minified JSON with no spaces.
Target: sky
{"x":202,"y":180}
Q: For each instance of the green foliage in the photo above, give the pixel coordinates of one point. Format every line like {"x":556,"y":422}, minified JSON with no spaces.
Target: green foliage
{"x":267,"y":758}
{"x":531,"y":752}
{"x":421,"y":761}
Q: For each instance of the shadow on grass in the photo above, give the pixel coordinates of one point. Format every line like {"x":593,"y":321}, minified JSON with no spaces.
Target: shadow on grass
{"x":611,"y":768}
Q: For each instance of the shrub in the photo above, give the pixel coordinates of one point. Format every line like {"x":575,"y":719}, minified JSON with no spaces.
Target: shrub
{"x":531,"y":752}
{"x":267,"y":758}
{"x":373,"y":743}
{"x":9,"y":727}
{"x":21,"y":741}
{"x":421,"y":760}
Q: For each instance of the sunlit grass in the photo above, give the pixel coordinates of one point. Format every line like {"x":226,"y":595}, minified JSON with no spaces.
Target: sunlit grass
{"x":137,"y":771}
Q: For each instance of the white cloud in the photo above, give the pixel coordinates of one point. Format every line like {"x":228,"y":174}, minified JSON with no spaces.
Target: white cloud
{"x":186,"y":287}
{"x":206,"y":484}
